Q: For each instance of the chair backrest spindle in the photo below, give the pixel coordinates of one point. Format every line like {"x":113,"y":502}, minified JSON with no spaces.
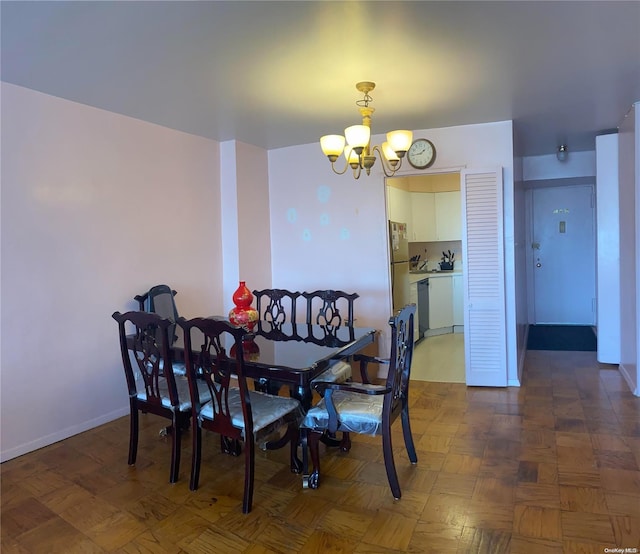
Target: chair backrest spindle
{"x":323,"y":307}
{"x":216,"y":359}
{"x":276,"y":306}
{"x":400,"y":359}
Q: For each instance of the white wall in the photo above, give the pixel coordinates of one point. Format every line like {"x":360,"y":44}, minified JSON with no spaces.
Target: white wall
{"x":520,"y":265}
{"x":330,"y":231}
{"x":608,"y":249}
{"x":96,"y":208}
{"x":629,"y":192}
{"x":577,"y":164}
{"x":245,"y":218}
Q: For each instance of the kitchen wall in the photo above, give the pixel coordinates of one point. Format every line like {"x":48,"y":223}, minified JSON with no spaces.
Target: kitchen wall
{"x":96,"y":208}
{"x":432,"y":251}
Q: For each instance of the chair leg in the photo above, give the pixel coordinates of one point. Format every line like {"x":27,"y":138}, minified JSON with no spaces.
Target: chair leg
{"x":304,"y":445}
{"x":330,"y":440}
{"x":312,"y":480}
{"x":196,"y":454}
{"x":175,"y":449}
{"x":294,"y":441}
{"x":408,"y":437}
{"x":230,"y":446}
{"x":345,"y":443}
{"x":249,"y":460}
{"x":133,"y":432}
{"x":389,"y":464}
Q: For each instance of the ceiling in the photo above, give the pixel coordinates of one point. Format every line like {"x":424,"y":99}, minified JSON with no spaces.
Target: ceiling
{"x":275,"y":74}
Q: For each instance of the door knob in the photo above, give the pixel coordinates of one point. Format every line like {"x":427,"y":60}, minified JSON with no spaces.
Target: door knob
{"x":538,"y":264}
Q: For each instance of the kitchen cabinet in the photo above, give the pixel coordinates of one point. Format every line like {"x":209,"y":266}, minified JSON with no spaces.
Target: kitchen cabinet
{"x":435,"y":216}
{"x":458,"y":300}
{"x":448,"y":215}
{"x":440,"y":302}
{"x":423,"y":217}
{"x":399,"y":208}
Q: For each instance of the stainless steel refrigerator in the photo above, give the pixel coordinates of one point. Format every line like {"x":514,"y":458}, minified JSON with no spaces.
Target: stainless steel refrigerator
{"x":399,"y":251}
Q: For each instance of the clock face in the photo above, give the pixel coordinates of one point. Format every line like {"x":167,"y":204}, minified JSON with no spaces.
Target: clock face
{"x":421,"y":154}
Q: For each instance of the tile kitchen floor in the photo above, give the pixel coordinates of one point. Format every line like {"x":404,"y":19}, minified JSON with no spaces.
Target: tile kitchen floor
{"x":439,"y":359}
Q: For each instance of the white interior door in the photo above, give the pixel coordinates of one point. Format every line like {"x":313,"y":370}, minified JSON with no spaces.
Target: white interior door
{"x":563,"y":255}
{"x":485,"y":334}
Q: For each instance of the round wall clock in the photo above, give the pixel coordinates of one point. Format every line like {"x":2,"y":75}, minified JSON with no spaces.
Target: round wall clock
{"x":422,"y":153}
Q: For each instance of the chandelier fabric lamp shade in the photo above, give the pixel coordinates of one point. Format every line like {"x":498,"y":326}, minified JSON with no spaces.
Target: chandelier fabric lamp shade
{"x":357,"y":137}
{"x":356,"y":142}
{"x":399,"y":141}
{"x":351,"y":156}
{"x":389,"y":152}
{"x":332,"y":146}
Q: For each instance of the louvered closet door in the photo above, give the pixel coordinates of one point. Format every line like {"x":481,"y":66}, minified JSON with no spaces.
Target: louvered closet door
{"x":484,"y":281}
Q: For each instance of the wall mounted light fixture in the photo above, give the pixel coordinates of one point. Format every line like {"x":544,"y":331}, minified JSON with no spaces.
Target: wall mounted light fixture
{"x":562,"y":153}
{"x":358,"y":151}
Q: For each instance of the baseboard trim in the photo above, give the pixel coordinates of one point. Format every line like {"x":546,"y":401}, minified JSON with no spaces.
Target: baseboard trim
{"x":522,"y":354}
{"x":439,"y":331}
{"x":634,"y":387}
{"x":47,"y":440}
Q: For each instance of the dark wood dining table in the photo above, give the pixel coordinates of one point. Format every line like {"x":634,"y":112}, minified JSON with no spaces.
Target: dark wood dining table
{"x":293,"y":354}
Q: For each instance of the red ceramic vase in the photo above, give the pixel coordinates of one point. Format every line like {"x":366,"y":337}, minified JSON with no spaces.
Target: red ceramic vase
{"x":243,"y":314}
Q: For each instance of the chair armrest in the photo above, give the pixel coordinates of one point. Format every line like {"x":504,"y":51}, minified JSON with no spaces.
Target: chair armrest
{"x":362,"y":388}
{"x":326,"y":389}
{"x":365,"y":361}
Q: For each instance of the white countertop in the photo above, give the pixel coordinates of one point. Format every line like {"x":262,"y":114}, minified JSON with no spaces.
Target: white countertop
{"x":415,"y":277}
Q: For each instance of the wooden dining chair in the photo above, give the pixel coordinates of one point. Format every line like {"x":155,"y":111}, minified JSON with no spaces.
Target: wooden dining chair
{"x":327,"y":307}
{"x":160,"y":299}
{"x":234,"y":412}
{"x":276,"y":306}
{"x":366,"y":408}
{"x":152,"y":385}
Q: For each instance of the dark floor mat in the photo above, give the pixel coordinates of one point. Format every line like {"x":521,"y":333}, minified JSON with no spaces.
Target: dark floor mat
{"x":562,"y":337}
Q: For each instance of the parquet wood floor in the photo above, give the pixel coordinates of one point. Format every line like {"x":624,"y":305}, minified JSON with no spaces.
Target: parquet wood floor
{"x":550,"y":467}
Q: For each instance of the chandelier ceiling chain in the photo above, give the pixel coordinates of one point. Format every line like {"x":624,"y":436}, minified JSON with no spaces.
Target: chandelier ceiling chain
{"x":365,"y":101}
{"x":356,"y":145}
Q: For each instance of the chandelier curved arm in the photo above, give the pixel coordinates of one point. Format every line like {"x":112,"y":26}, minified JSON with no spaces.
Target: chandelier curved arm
{"x":389,"y":167}
{"x":354,"y":166}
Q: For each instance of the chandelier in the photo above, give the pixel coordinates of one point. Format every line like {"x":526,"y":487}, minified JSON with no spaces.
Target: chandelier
{"x":358,"y":152}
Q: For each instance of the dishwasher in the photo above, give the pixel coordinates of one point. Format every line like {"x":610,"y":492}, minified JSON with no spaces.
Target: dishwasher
{"x":423,"y":306}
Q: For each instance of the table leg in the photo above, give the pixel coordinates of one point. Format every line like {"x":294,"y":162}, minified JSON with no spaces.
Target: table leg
{"x":305,"y":396}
